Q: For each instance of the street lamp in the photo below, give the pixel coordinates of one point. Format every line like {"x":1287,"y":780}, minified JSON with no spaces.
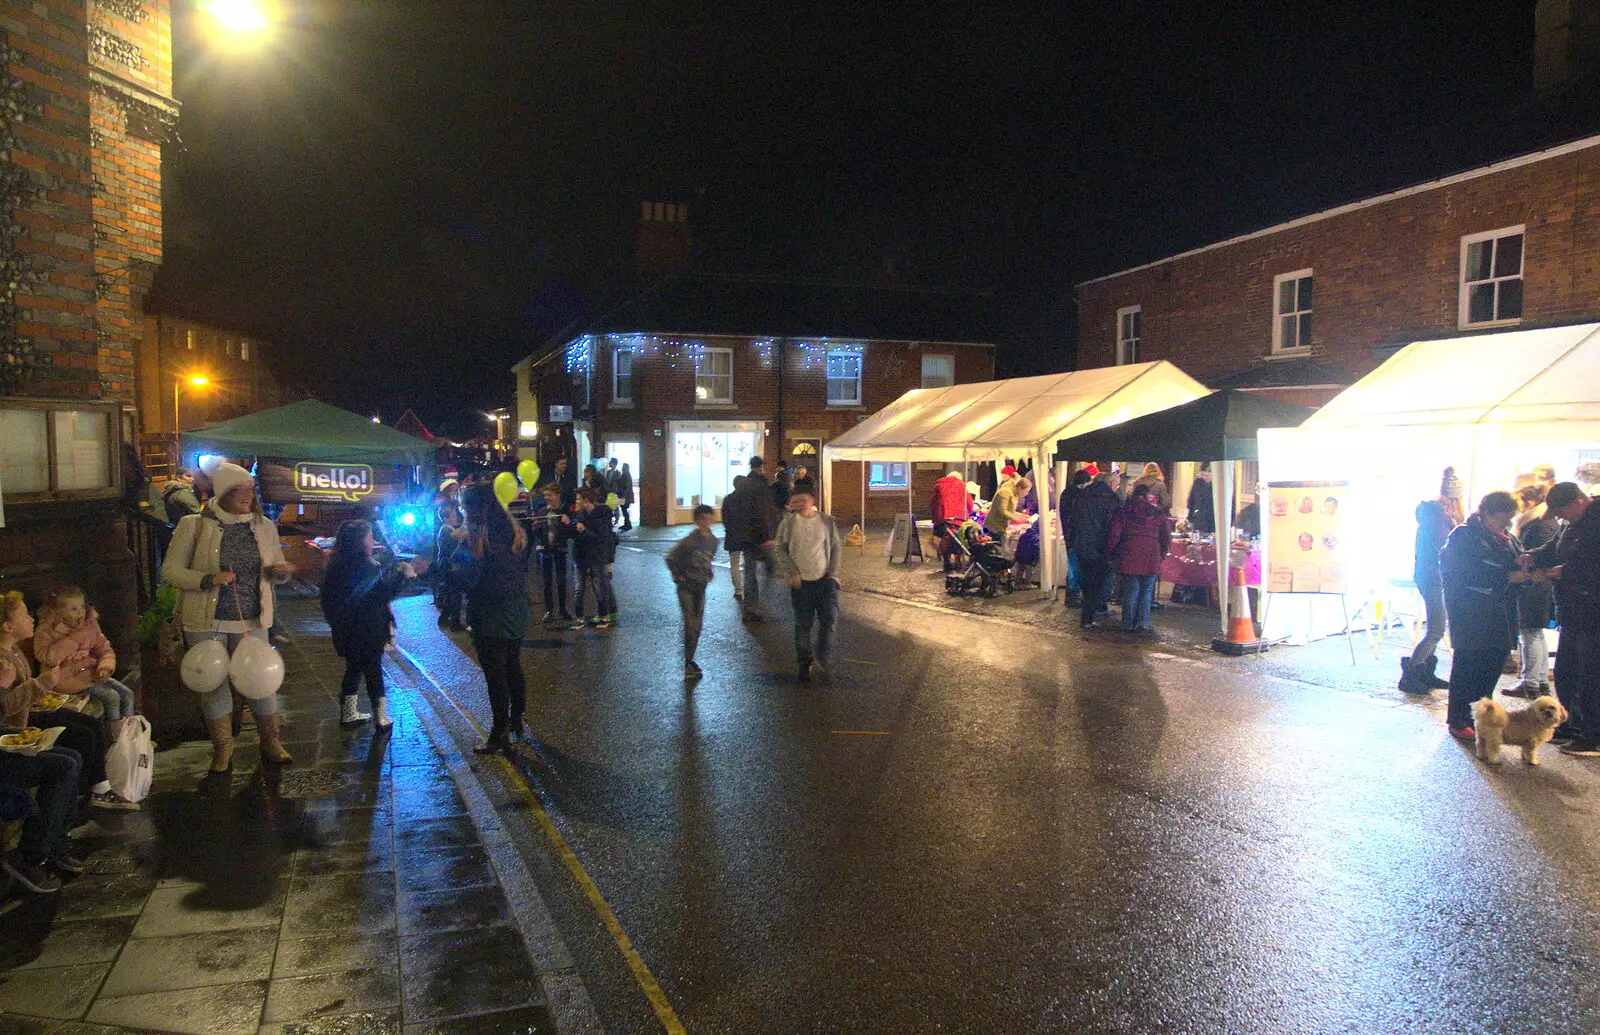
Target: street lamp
{"x":178,"y":381}
{"x":239,"y":18}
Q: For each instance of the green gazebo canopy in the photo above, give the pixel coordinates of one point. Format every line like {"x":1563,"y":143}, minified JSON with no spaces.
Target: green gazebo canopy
{"x":1219,"y":426}
{"x":310,"y":430}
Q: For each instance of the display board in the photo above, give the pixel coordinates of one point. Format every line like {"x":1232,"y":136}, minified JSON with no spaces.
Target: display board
{"x":286,"y":480}
{"x":1305,"y":547}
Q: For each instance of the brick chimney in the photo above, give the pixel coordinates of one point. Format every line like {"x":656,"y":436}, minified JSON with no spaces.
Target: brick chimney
{"x":665,"y":244}
{"x":1566,"y":44}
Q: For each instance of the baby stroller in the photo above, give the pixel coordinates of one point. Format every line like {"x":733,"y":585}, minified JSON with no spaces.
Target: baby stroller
{"x":981,"y":568}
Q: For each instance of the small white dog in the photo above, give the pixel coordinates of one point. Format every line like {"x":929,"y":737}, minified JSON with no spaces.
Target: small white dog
{"x":1526,"y":728}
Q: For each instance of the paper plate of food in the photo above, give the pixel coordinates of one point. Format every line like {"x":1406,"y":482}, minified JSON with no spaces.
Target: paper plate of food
{"x":49,"y":703}
{"x":30,"y":741}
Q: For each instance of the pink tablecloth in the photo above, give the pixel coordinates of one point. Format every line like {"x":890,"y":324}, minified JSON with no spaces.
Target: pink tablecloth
{"x":1198,"y":566}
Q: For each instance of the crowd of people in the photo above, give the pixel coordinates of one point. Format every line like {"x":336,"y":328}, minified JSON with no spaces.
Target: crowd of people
{"x":1496,"y":579}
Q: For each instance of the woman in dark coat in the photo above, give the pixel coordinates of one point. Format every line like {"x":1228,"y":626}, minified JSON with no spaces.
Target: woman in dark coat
{"x":356,"y":592}
{"x":1137,"y":543}
{"x":1534,"y":527}
{"x":1479,"y":567}
{"x":493,"y":566}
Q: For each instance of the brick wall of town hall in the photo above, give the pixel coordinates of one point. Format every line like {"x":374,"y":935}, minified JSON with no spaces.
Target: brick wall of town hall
{"x":1386,"y":272}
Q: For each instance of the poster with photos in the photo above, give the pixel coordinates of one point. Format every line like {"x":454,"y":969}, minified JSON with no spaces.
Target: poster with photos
{"x":1305,"y":532}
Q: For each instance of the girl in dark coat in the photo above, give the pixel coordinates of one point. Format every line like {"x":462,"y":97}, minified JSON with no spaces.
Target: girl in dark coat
{"x":1479,"y":567}
{"x":493,"y":565}
{"x":1137,"y":542}
{"x":356,"y":591}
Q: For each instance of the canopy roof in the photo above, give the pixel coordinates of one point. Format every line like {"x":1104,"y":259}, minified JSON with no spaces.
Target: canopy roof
{"x":1220,"y":426}
{"x":309,"y":430}
{"x":1549,"y":376}
{"x":1016,"y":417}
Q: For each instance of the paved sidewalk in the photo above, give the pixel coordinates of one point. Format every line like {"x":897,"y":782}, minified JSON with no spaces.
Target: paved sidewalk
{"x":365,"y":889}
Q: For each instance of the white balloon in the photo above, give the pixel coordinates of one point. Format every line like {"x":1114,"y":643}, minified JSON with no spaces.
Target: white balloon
{"x":204,"y":666}
{"x":256,"y":669}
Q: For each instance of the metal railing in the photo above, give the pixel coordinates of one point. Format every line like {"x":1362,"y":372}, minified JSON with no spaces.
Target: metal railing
{"x":148,"y":537}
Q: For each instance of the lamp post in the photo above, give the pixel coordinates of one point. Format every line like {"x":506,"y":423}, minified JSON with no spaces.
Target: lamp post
{"x":197,"y":381}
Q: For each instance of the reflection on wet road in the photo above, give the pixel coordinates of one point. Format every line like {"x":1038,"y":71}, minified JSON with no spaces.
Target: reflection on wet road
{"x":1056,"y":834}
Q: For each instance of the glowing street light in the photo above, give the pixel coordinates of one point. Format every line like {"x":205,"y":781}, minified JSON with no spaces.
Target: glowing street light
{"x":239,"y":21}
{"x":178,"y":381}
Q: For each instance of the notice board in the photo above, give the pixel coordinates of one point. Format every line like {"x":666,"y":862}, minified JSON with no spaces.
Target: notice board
{"x":1305,"y":537}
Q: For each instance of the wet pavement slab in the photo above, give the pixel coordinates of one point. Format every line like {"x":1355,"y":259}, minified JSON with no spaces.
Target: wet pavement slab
{"x":314,"y":898}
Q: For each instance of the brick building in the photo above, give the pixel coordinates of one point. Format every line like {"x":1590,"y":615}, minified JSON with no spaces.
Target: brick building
{"x":85,"y":105}
{"x":175,"y":348}
{"x":1304,"y":308}
{"x":691,"y":378}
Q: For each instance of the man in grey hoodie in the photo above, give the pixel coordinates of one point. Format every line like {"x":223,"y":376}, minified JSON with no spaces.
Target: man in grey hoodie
{"x":808,"y":550}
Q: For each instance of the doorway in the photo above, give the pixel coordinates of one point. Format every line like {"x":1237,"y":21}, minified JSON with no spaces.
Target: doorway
{"x":626,"y":453}
{"x":806,"y":451}
{"x":706,"y":457}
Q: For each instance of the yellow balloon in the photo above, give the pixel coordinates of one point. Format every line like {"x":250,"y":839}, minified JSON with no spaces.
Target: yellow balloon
{"x":505,"y":487}
{"x":612,"y":500}
{"x":528,"y":473}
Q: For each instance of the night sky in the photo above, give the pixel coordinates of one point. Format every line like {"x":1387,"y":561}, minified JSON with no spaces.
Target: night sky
{"x":406,"y":196}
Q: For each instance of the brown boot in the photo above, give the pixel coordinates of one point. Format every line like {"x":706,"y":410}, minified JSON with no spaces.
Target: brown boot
{"x":272,"y":751}
{"x":221,"y":743}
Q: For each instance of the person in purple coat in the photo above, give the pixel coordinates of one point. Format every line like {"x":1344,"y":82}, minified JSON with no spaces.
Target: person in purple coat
{"x":1138,"y":540}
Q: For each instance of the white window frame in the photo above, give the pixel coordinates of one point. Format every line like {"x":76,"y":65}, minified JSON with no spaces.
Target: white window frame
{"x":1464,"y":287}
{"x":948,"y":358}
{"x":708,"y":379}
{"x":617,"y":352}
{"x":1294,"y":348}
{"x":884,"y":484}
{"x":860,"y":362}
{"x":53,"y":410}
{"x":1123,"y":358}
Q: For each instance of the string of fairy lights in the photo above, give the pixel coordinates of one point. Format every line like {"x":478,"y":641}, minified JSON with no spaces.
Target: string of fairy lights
{"x":808,"y":354}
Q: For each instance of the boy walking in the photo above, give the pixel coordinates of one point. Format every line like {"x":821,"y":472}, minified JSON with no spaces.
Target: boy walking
{"x":808,"y":549}
{"x":689,"y":561}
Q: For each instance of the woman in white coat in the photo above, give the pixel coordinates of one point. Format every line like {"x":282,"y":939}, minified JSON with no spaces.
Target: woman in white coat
{"x":225,"y":560}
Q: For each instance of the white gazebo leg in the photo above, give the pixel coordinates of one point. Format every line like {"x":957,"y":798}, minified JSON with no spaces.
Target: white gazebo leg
{"x":1222,"y":511}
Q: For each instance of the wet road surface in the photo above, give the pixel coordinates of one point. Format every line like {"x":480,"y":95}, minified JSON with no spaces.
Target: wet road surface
{"x":978,"y":828}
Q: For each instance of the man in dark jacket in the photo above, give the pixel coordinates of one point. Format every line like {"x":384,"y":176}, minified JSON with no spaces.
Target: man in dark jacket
{"x":1574,"y":562}
{"x":1087,"y":531}
{"x":178,"y":496}
{"x":734,"y":506}
{"x":567,"y":479}
{"x":755,"y":530}
{"x":1202,"y":516}
{"x":1417,"y":675}
{"x":1479,"y":566}
{"x":689,"y":561}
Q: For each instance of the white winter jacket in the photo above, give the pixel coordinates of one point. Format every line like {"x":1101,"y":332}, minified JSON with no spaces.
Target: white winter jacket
{"x":193,"y":555}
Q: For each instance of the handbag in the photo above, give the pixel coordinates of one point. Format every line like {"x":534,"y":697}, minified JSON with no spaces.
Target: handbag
{"x":130,"y":764}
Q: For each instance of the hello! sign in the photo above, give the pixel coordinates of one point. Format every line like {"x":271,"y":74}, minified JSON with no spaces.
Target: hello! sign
{"x":350,"y":482}
{"x":291,"y":480}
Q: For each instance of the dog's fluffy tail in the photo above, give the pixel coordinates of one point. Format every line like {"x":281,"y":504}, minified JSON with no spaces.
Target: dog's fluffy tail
{"x":1489,"y":712}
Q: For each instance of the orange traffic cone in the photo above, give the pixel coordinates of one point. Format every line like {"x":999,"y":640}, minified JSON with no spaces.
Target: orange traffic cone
{"x":1241,"y":636}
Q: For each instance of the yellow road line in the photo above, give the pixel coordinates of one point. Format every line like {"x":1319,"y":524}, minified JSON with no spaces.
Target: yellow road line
{"x":641,"y":973}
{"x":861,"y":733}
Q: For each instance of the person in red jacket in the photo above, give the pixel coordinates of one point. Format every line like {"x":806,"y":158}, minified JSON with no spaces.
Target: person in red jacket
{"x":950,"y":506}
{"x":1138,"y":540}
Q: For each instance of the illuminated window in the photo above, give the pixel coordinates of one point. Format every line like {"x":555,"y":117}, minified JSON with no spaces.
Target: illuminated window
{"x":1291,"y":312}
{"x":622,"y":376}
{"x":244,"y":350}
{"x":188,"y":338}
{"x":713,"y":376}
{"x":938,"y":371}
{"x":887,"y":475}
{"x":844,"y":378}
{"x":1491,"y":277}
{"x":1128,"y":335}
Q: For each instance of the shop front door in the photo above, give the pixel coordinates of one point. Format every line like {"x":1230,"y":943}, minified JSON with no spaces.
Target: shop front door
{"x":807,"y":453}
